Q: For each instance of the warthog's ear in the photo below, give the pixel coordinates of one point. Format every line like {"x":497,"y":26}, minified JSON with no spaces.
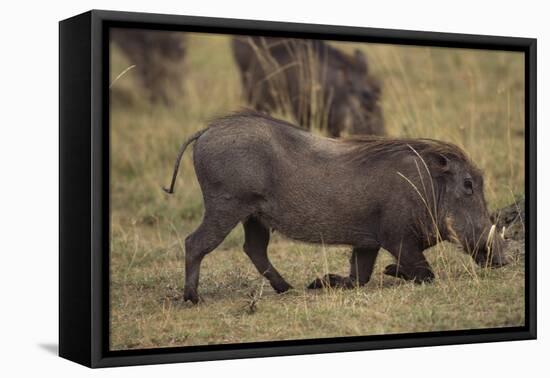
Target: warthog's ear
{"x":361,"y":61}
{"x":439,"y":164}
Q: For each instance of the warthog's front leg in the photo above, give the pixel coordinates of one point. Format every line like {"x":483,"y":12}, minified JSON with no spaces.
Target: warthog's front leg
{"x":332,"y":280}
{"x":414,"y":268}
{"x":416,"y":274}
{"x":361,"y":265}
{"x":411,"y":264}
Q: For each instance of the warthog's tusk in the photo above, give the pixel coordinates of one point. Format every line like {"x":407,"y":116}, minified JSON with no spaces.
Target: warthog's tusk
{"x":503,"y":231}
{"x":491,"y":236}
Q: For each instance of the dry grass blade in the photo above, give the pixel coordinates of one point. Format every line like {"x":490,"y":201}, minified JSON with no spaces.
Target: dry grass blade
{"x":120,"y":75}
{"x":253,"y":298}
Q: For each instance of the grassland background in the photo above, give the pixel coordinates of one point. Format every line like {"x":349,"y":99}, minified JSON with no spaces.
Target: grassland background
{"x":472,"y":98}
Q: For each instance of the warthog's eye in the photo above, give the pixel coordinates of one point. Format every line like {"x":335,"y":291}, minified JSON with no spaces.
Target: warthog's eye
{"x":468,"y":186}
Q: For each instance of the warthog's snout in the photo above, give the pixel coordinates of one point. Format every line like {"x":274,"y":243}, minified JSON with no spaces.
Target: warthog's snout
{"x":491,"y":261}
{"x":493,"y":254}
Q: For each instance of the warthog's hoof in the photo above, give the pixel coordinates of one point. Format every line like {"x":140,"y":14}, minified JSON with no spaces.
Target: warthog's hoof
{"x":190,"y":295}
{"x":331,"y":280}
{"x":419,"y":276}
{"x":391,"y":270}
{"x":282,"y":287}
{"x":425,"y":275}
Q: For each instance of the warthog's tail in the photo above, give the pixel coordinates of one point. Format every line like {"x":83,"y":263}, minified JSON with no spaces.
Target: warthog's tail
{"x":193,"y":138}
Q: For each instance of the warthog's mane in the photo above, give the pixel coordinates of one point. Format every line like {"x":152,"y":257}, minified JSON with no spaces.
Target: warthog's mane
{"x":368,"y":148}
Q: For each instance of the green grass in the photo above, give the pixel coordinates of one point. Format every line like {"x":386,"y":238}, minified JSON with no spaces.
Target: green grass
{"x":472,"y":98}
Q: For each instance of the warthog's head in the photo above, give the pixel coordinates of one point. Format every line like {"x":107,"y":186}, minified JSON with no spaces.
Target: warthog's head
{"x":465,"y":215}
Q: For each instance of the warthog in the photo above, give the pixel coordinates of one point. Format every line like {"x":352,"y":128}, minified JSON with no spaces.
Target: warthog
{"x":311,"y":80}
{"x":403,"y":195}
{"x":158,"y":58}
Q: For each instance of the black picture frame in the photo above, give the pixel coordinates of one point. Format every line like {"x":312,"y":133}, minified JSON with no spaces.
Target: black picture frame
{"x":84,"y":188}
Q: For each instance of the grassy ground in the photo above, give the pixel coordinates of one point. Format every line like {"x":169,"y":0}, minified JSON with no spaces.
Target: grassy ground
{"x":472,"y":98}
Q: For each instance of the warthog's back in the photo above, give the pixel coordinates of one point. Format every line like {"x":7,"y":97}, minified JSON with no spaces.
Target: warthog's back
{"x":253,"y":149}
{"x":293,"y":178}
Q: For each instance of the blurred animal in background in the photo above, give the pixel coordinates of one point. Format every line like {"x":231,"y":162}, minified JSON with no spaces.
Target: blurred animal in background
{"x":511,"y":219}
{"x":157,"y":58}
{"x":311,"y":81}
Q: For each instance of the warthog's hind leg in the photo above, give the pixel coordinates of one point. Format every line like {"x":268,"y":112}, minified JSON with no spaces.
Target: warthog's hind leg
{"x":255,"y":246}
{"x":212,"y":231}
